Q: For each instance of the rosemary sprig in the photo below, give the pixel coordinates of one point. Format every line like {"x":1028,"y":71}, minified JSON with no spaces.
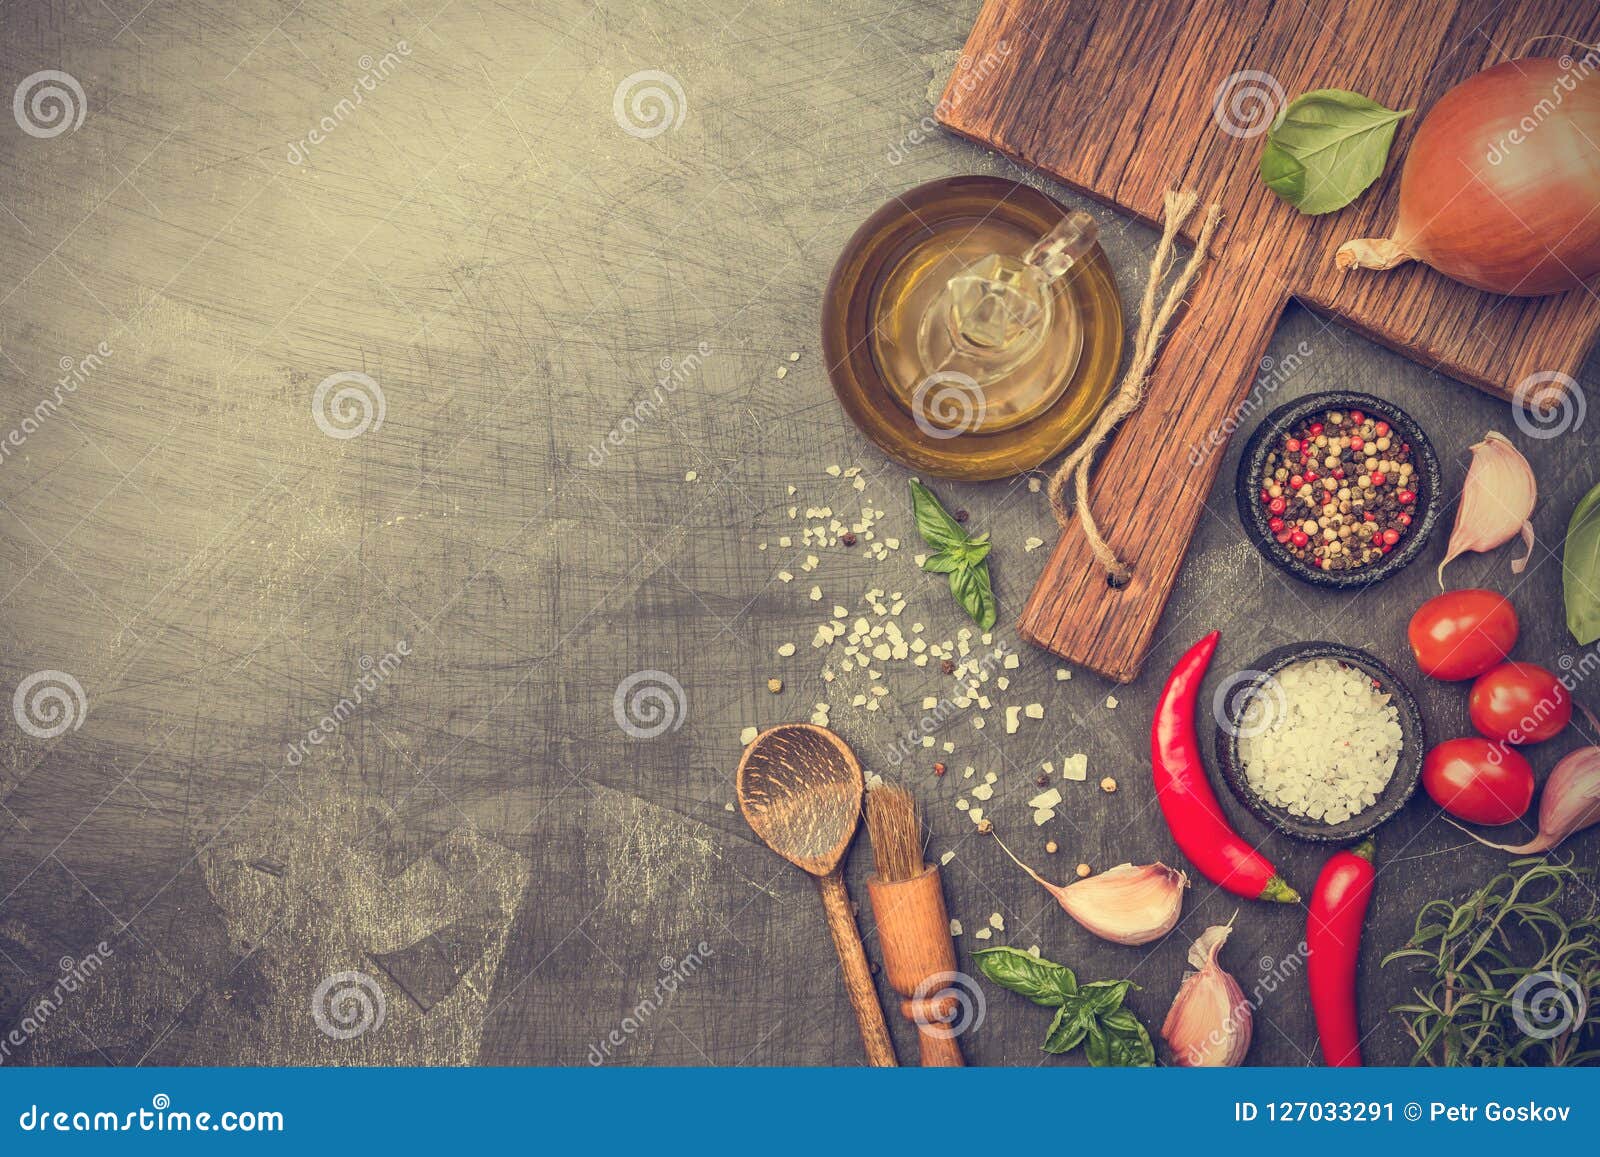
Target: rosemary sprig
{"x":1510,"y":973}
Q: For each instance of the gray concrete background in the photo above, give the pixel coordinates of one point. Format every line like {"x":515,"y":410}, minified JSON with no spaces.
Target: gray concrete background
{"x":481,"y":237}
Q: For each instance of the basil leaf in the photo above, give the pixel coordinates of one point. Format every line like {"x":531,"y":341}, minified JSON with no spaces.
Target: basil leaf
{"x":1041,"y":981}
{"x":1098,"y":1046}
{"x":942,"y":563}
{"x":1127,"y":1042}
{"x":1580,"y":570}
{"x":970,"y":586}
{"x":1326,"y":148}
{"x":937,"y":528}
{"x":1067,"y":1031}
{"x":1105,"y":996}
{"x":973,"y":551}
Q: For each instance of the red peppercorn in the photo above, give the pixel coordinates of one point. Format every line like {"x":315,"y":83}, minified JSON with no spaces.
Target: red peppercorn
{"x":1296,"y":481}
{"x":1404,"y":520}
{"x":1383,"y":429}
{"x":1292,"y":445}
{"x":1405,"y":497}
{"x":1358,"y":443}
{"x":1386,"y":548}
{"x":1391,"y":536}
{"x":1311,"y":476}
{"x":1277,"y":506}
{"x":1283,"y":538}
{"x":1316,"y":429}
{"x":1299,"y":538}
{"x":1379,"y":478}
{"x":1377,"y":540}
{"x":1275,"y":524}
{"x":938,"y":769}
{"x":1357,"y":417}
{"x":1338,"y":475}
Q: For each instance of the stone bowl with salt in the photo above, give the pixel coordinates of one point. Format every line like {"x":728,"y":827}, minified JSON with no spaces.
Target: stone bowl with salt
{"x":1320,"y":741}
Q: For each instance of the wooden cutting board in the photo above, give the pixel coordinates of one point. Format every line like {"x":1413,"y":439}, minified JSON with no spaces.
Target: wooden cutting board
{"x":1117,"y":100}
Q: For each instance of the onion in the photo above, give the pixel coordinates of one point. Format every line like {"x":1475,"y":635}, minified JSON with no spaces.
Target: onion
{"x":1501,"y":182}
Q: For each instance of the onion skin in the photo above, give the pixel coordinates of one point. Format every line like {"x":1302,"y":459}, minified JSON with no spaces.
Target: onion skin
{"x":1501,"y":181}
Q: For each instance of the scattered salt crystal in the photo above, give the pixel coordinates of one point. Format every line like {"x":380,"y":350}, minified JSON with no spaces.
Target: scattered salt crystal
{"x":997,"y":922}
{"x":1031,"y":544}
{"x":947,"y":857}
{"x":785,"y":649}
{"x":1034,"y":485}
{"x":691,"y":476}
{"x":1011,"y":720}
{"x":1062,"y":674}
{"x":748,"y":736}
{"x":834,"y":471}
{"x":1043,"y":816}
{"x":1011,"y":662}
{"x":983,"y":934}
{"x":1111,"y":702}
{"x":955,"y":925}
{"x":1046,"y":799}
{"x":1075,"y":767}
{"x":982,"y":791}
{"x":1034,"y":711}
{"x":783,"y":372}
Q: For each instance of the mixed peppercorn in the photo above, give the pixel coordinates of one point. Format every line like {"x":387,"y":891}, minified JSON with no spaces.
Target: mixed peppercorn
{"x":1340,"y":490}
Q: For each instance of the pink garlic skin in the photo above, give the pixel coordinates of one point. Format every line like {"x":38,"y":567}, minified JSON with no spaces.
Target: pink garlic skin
{"x":1570,"y":803}
{"x":1210,"y":1022}
{"x":1126,"y":904}
{"x":1497,"y":500}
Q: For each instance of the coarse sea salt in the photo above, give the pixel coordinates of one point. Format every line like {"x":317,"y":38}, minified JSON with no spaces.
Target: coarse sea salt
{"x":1319,"y":740}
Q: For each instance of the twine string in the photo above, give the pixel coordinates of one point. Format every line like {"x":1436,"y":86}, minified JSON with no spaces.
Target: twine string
{"x":1153,"y":322}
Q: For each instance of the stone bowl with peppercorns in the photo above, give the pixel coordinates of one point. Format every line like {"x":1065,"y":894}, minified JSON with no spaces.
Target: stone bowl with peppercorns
{"x":1338,"y":489}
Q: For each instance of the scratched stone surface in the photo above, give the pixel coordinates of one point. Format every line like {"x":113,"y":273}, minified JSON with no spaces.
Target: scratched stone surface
{"x":346,"y":782}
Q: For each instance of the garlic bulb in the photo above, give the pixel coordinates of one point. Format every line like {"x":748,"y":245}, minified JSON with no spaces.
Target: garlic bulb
{"x":1127,"y":904}
{"x":1496,"y":502}
{"x":1210,"y":1022}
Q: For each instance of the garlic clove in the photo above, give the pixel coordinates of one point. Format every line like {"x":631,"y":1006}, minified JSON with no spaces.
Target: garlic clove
{"x":1128,"y":904}
{"x":1497,"y":501}
{"x":1210,"y":1022}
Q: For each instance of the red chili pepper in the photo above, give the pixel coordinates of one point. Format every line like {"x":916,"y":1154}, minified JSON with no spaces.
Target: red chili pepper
{"x":1333,"y":946}
{"x":1184,"y":790}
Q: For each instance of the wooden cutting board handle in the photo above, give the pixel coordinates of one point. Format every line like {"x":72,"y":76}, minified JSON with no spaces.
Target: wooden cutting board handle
{"x":1149,"y":488}
{"x":857,"y":976}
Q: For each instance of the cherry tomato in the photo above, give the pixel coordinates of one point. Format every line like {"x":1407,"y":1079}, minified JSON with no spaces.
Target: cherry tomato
{"x":1461,"y":634}
{"x":1519,"y":703}
{"x":1478,"y":781}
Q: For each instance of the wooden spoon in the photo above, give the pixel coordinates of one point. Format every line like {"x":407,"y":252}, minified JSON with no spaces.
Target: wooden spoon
{"x":800,"y":790}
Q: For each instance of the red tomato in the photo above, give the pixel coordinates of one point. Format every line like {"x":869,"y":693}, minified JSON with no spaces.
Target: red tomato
{"x":1478,"y":781}
{"x":1461,"y":634}
{"x":1519,"y":703}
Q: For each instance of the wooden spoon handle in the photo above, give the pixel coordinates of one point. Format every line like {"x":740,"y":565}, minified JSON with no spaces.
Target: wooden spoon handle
{"x":857,"y":977}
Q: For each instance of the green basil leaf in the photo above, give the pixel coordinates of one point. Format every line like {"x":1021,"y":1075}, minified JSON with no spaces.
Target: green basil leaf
{"x":1041,"y":981}
{"x":973,"y":551}
{"x":1580,"y":570}
{"x":970,"y":586}
{"x":937,"y":528}
{"x":1067,"y":1031}
{"x":1105,"y":996}
{"x":1098,"y":1046}
{"x":1326,"y":148}
{"x":1127,"y":1042}
{"x":942,"y":563}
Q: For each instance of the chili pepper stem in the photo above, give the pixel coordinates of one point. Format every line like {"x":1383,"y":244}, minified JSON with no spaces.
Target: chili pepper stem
{"x":1366,"y":849}
{"x":1278,"y":889}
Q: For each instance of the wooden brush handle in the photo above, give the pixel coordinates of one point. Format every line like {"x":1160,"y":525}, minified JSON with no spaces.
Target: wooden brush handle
{"x":920,"y":960}
{"x":857,"y":977}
